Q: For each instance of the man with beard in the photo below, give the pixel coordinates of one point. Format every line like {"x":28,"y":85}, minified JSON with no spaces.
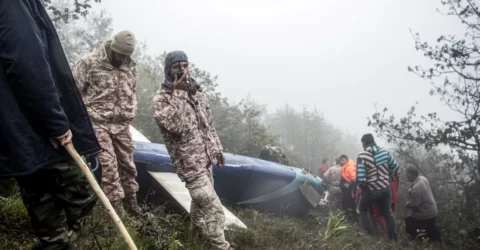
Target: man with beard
{"x":41,"y":111}
{"x":106,"y":80}
{"x":183,"y":115}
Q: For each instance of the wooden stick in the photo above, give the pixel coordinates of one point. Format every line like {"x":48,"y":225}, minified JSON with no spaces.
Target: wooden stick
{"x":71,"y":150}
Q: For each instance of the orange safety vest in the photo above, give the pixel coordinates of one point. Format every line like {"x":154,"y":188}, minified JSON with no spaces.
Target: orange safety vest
{"x":349,"y":171}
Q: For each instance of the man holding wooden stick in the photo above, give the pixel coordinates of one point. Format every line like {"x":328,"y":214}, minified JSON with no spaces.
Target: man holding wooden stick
{"x":41,"y":111}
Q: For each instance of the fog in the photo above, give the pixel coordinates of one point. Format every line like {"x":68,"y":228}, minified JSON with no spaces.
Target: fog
{"x":342,"y":56}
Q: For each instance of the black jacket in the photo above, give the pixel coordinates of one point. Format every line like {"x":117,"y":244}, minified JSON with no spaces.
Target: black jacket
{"x":38,"y":95}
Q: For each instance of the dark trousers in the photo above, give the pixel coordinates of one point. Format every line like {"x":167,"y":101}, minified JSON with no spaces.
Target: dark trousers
{"x":348,"y":196}
{"x":413,"y":226}
{"x":383,"y":198}
{"x":58,"y":197}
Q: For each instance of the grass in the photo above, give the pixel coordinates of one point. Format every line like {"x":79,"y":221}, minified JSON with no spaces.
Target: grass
{"x":319,"y":230}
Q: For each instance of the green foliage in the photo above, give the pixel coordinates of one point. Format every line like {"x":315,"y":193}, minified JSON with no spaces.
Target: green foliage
{"x":171,"y":231}
{"x":336,"y":225}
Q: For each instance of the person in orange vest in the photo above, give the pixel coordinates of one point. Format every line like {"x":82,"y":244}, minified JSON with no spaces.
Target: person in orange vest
{"x":348,"y":184}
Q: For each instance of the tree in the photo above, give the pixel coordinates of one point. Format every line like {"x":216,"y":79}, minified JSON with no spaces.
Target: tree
{"x":84,"y":36}
{"x":74,"y":11}
{"x":309,"y":138}
{"x":455,"y":79}
{"x":150,"y":77}
{"x":238,"y":126}
{"x":455,"y":63}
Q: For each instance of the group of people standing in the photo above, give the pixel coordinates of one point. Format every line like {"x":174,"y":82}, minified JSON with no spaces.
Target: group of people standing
{"x":369,"y":187}
{"x":45,"y":106}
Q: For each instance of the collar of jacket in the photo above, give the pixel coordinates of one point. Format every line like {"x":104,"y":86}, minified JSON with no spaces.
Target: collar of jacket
{"x":372,"y":148}
{"x":181,"y":94}
{"x":103,"y":55}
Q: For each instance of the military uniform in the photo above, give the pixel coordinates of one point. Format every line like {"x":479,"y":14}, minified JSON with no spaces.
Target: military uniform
{"x":273,"y":153}
{"x":109,"y":94}
{"x":42,"y":192}
{"x":185,"y":122}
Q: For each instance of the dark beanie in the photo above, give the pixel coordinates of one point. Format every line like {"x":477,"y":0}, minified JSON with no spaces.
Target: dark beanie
{"x":171,"y":58}
{"x":368,"y":139}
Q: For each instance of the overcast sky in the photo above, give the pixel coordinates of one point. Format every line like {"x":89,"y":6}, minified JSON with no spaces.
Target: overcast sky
{"x":340,"y":56}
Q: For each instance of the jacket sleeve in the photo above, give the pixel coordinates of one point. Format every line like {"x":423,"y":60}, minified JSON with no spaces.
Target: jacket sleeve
{"x":361,"y":171}
{"x":24,"y":59}
{"x":414,"y":201}
{"x":80,"y":74}
{"x":167,"y":116}
{"x":134,"y":89}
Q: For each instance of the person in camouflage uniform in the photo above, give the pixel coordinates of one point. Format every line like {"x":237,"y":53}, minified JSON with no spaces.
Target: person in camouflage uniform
{"x":273,"y":153}
{"x":106,"y":80}
{"x":183,"y":115}
{"x":41,"y":111}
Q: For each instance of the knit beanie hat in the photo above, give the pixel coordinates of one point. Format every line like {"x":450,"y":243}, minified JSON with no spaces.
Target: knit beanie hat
{"x":123,"y":43}
{"x":171,"y":58}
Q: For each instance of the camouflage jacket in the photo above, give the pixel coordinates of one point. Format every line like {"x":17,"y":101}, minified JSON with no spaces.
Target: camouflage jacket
{"x":185,"y":123}
{"x":109,"y":93}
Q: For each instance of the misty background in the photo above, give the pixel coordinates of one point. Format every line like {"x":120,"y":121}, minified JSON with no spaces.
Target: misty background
{"x":341,"y":57}
{"x":311,"y":77}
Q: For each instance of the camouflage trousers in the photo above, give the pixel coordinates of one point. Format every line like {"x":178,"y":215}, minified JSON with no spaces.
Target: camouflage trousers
{"x":58,"y":197}
{"x":206,"y":211}
{"x":118,"y":169}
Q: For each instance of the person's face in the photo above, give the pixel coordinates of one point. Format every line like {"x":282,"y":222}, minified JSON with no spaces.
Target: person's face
{"x":175,"y":67}
{"x":343,"y":161}
{"x":118,"y":59}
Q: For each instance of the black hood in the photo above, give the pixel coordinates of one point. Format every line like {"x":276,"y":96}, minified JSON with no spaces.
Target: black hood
{"x":172,"y":58}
